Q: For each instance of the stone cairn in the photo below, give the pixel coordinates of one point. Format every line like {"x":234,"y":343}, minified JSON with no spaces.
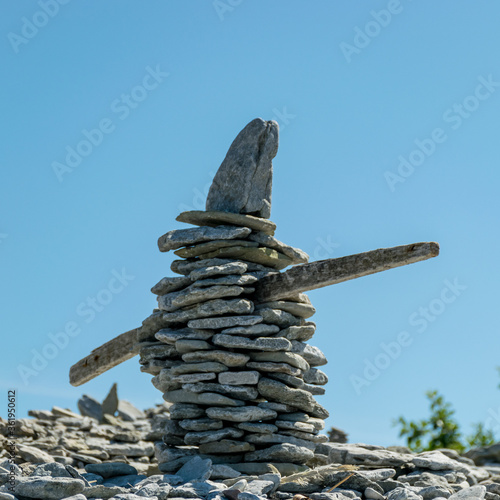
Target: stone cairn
{"x":239,"y":372}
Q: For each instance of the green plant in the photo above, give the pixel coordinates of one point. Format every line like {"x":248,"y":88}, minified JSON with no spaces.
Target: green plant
{"x":481,"y":436}
{"x":440,"y":430}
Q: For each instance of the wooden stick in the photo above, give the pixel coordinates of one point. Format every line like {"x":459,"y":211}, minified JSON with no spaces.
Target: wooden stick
{"x":327,"y":272}
{"x":103,"y":358}
{"x":277,"y":286}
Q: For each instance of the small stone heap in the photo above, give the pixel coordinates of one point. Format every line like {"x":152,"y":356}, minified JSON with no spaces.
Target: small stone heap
{"x":239,"y":373}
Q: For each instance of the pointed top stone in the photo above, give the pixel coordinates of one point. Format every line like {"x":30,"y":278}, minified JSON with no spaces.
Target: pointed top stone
{"x":243,"y":183}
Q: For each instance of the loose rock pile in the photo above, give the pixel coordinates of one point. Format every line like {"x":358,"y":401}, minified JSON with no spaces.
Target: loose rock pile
{"x":240,"y":374}
{"x":63,"y":455}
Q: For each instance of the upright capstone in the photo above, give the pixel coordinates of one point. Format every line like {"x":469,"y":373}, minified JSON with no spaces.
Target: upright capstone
{"x":243,"y":183}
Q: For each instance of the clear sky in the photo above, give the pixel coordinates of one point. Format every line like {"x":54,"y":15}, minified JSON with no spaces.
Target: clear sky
{"x":117,"y":114}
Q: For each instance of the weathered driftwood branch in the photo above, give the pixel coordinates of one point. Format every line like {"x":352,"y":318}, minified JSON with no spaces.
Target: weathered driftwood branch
{"x":277,"y":286}
{"x":331,"y":271}
{"x":103,"y":358}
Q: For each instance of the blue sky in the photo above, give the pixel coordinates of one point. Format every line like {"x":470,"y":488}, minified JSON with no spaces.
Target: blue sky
{"x":388,"y":117}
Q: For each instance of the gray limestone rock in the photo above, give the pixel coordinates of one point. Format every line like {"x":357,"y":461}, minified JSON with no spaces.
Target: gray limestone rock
{"x":210,"y":246}
{"x":201,"y":424}
{"x":278,"y":438}
{"x":189,"y":346}
{"x":291,"y":358}
{"x":302,"y":333}
{"x":274,"y":390}
{"x":206,"y":367}
{"x":110,"y":403}
{"x":224,"y":322}
{"x":315,"y":390}
{"x":197,"y":469}
{"x":33,"y":455}
{"x":284,"y":452}
{"x":257,"y":427}
{"x":315,"y":376}
{"x":111,"y":469}
{"x":278,"y":317}
{"x":296,"y":308}
{"x":167,"y":285}
{"x":230,"y":279}
{"x":403,"y":494}
{"x":358,"y":454}
{"x":140,"y":449}
{"x":243,"y":182}
{"x":47,"y":487}
{"x":474,"y":493}
{"x":227,"y":358}
{"x":313,"y":355}
{"x":270,"y":367}
{"x":295,"y":254}
{"x":217,"y":218}
{"x":202,"y":437}
{"x":252,"y":331}
{"x":226,"y":446}
{"x":259,"y":344}
{"x":239,"y":378}
{"x":244,"y":393}
{"x":289,"y":380}
{"x":128,"y":412}
{"x":182,"y":237}
{"x":90,"y":407}
{"x":182,"y":411}
{"x":298,"y":426}
{"x":242,"y":414}
{"x":171,"y":336}
{"x":192,"y":378}
{"x":204,"y":398}
{"x":200,"y":269}
{"x":189,"y":296}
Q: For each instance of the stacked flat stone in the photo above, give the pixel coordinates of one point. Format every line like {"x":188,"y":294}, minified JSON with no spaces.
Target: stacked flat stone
{"x":240,"y":374}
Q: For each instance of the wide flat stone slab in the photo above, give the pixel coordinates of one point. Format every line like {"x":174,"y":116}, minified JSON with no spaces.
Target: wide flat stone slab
{"x":216,"y":218}
{"x":242,"y":414}
{"x":210,"y":246}
{"x":224,"y":322}
{"x":230,"y":359}
{"x":204,"y":398}
{"x":296,"y":308}
{"x":262,"y":255}
{"x":178,"y":238}
{"x":295,"y":254}
{"x":259,"y":344}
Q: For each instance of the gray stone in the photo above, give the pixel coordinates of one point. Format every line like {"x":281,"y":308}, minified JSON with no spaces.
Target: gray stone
{"x":184,"y":346}
{"x":104,"y":492}
{"x":90,"y":407}
{"x":289,"y":380}
{"x":245,"y":393}
{"x":436,"y":460}
{"x":192,"y":378}
{"x":403,"y":494}
{"x":33,"y":455}
{"x":197,"y":469}
{"x":220,"y":471}
{"x":256,"y":427}
{"x":182,"y":237}
{"x":298,"y":426}
{"x":46,"y":487}
{"x":205,"y":367}
{"x":201,"y":424}
{"x":205,"y":398}
{"x":203,"y":437}
{"x":170,"y":336}
{"x":279,"y":438}
{"x":7,"y":496}
{"x":259,"y":344}
{"x":110,"y":403}
{"x":128,"y":412}
{"x":359,"y":454}
{"x":53,"y":469}
{"x":186,"y":267}
{"x":182,"y":411}
{"x":261,"y":255}
{"x":130,"y":449}
{"x":296,"y":417}
{"x":157,"y":350}
{"x":295,"y":254}
{"x":270,"y":367}
{"x":124,"y":481}
{"x":243,"y":182}
{"x":226,"y":446}
{"x":311,"y":354}
{"x":307,"y":436}
{"x":284,"y":452}
{"x":210,"y":246}
{"x":301,"y":333}
{"x":256,"y":468}
{"x":224,"y":322}
{"x":278,"y":317}
{"x":315,"y":376}
{"x":231,"y":279}
{"x":216,"y":218}
{"x":259,"y":487}
{"x":189,"y":296}
{"x":242,"y":414}
{"x":239,"y":378}
{"x":252,"y":331}
{"x":167,"y":285}
{"x":291,"y":358}
{"x":230,"y":359}
{"x":297,"y":309}
{"x":315,"y":390}
{"x":274,"y":390}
